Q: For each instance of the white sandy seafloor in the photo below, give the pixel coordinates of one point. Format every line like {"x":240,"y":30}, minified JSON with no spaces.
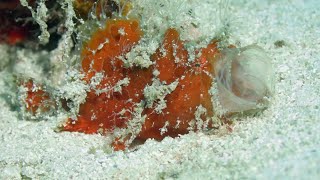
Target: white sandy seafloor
{"x":282,"y":143}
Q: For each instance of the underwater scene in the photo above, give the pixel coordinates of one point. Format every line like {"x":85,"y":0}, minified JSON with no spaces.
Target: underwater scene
{"x":166,"y":89}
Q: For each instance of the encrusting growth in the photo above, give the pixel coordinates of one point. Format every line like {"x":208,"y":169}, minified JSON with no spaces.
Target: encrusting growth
{"x":108,"y":108}
{"x":36,"y":99}
{"x":133,"y":94}
{"x":193,"y":82}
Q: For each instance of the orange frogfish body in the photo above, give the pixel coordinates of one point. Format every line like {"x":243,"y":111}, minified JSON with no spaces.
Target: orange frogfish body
{"x":111,"y":105}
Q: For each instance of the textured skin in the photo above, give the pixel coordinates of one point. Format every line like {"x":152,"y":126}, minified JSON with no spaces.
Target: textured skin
{"x":37,"y":99}
{"x":105,"y":111}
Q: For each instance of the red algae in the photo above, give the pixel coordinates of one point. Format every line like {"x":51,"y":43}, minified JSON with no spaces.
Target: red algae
{"x":107,"y":108}
{"x":15,"y":36}
{"x":13,"y":32}
{"x":37,"y":100}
